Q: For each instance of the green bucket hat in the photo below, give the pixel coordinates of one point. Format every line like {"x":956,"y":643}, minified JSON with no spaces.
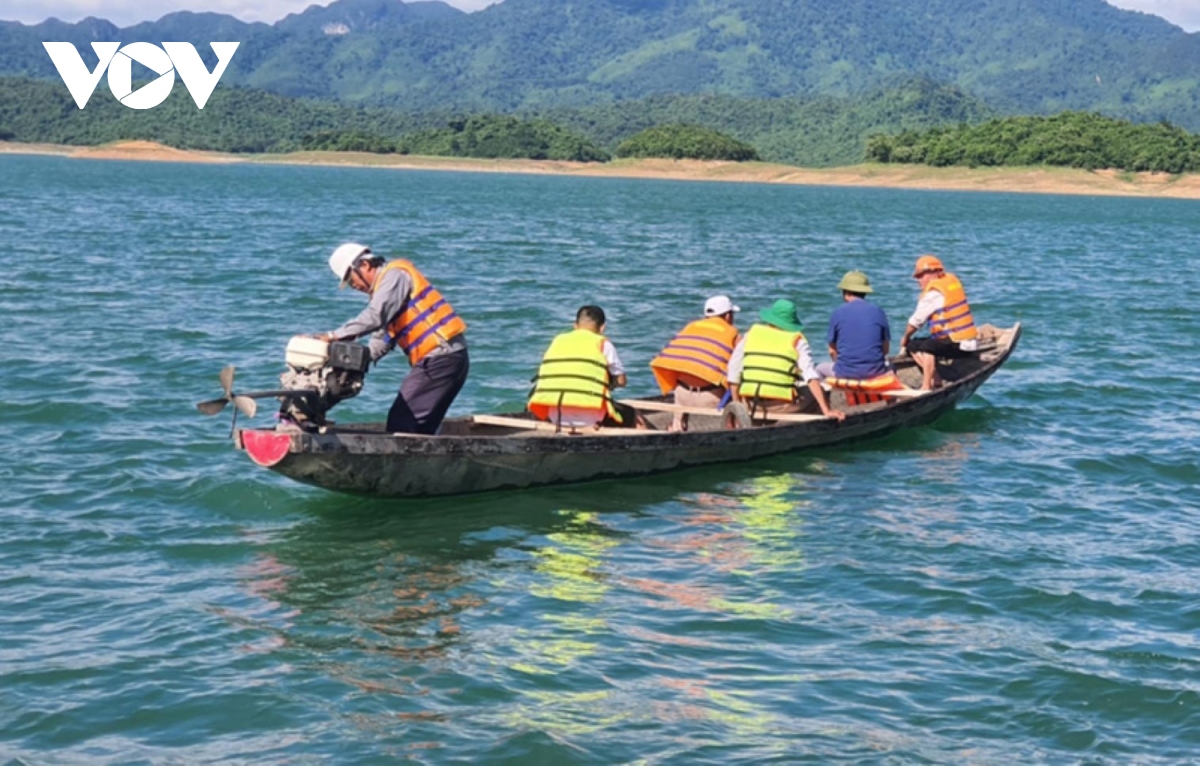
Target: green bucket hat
{"x":855,"y":282}
{"x":782,"y":314}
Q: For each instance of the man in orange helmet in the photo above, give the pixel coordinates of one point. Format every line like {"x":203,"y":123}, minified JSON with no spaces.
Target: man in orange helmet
{"x":943,"y":304}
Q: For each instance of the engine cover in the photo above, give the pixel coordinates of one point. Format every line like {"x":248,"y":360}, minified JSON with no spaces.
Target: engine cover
{"x":351,"y":357}
{"x":328,"y":372}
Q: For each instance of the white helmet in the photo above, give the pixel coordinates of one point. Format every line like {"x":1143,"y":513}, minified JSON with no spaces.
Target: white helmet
{"x":344,"y":257}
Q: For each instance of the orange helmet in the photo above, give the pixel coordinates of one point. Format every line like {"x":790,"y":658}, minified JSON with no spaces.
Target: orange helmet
{"x":927,"y":263}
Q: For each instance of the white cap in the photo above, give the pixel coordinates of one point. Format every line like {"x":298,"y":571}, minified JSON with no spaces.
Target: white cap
{"x":344,"y":257}
{"x":718,"y":305}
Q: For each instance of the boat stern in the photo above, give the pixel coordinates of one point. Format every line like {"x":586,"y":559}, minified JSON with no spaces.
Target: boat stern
{"x":266,"y":448}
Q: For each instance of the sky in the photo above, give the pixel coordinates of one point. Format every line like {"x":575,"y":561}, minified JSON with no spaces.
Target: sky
{"x":129,"y":12}
{"x":1185,"y":13}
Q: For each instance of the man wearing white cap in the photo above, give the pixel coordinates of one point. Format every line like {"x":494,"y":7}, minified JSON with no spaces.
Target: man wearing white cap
{"x":405,"y":310}
{"x":694,"y":364}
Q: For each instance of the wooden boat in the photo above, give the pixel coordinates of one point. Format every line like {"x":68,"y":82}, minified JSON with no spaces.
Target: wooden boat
{"x":490,"y":452}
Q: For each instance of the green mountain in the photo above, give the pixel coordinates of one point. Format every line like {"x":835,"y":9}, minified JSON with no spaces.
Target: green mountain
{"x":813,"y":130}
{"x":1070,"y":139}
{"x":821,"y":130}
{"x":1016,"y":55}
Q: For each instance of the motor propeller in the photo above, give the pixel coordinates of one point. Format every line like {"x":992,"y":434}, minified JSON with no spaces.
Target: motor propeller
{"x":244,"y":402}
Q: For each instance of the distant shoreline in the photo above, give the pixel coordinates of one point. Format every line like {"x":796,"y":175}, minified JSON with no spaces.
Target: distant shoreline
{"x":1031,"y":180}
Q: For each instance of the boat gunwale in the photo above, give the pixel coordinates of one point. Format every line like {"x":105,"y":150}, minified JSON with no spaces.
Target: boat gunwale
{"x":331,"y":443}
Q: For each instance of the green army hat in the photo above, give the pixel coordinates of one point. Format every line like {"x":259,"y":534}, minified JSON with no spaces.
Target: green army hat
{"x":855,"y":282}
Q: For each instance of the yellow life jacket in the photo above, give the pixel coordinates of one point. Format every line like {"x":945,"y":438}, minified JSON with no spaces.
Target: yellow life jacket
{"x":700,"y":352}
{"x":954,"y":320}
{"x":769,"y":366}
{"x":427,"y":320}
{"x":574,"y":373}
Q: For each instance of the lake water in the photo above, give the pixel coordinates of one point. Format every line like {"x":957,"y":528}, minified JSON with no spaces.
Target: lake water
{"x":1018,"y":583}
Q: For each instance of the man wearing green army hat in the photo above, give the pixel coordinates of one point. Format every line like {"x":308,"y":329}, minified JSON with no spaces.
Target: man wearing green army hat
{"x":770,"y":358}
{"x":859,"y":337}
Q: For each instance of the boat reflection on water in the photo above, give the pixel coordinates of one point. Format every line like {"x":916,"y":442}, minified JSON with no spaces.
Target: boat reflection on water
{"x":659,"y":600}
{"x":570,"y":570}
{"x":361,"y":594}
{"x":752,"y":529}
{"x":551,"y":604}
{"x":940,"y":473}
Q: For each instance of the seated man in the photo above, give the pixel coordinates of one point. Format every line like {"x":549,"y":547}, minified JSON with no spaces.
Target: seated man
{"x":859,"y":340}
{"x":769,"y":360}
{"x":573,"y":386}
{"x":943,"y":304}
{"x":694,"y":363}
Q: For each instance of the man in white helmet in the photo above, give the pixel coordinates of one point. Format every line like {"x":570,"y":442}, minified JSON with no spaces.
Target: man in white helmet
{"x":405,"y":310}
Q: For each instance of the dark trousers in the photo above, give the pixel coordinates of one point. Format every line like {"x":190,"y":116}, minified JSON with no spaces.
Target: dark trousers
{"x":427,"y":392}
{"x":628,"y":417}
{"x":942,"y":348}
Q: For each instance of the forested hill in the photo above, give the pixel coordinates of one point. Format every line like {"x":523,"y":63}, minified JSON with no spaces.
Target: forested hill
{"x":820,"y":130}
{"x":1019,"y":56}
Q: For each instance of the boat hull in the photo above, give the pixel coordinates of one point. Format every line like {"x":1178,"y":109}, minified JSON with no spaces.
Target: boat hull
{"x":365,"y":460}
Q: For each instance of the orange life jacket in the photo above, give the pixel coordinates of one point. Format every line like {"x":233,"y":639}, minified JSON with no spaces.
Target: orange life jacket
{"x":700,"y":352}
{"x":427,"y":320}
{"x":954,"y":320}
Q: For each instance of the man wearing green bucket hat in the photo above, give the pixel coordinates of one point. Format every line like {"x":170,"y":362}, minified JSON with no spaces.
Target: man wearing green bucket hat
{"x":770,"y":359}
{"x":859,"y":337}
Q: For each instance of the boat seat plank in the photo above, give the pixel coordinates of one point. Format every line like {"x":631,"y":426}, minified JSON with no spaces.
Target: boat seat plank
{"x":638,"y":404}
{"x":901,"y":393}
{"x":787,"y":417}
{"x":898,"y":393}
{"x":542,"y":426}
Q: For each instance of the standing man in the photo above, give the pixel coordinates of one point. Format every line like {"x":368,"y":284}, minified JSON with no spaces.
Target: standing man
{"x":859,"y":337}
{"x":405,"y":310}
{"x":695,"y":363}
{"x":769,"y":360}
{"x":943,"y":304}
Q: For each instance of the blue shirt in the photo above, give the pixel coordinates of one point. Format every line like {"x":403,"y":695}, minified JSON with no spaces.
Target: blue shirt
{"x":857,"y":330}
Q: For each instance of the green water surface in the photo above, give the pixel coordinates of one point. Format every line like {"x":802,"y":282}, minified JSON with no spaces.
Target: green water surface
{"x":1017,"y":583}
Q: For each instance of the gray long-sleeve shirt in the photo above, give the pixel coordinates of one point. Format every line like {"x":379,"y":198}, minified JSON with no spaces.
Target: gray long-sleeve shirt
{"x":389,"y":299}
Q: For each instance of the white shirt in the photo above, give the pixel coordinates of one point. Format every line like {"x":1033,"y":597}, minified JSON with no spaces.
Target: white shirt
{"x":615,"y":367}
{"x":930,"y":301}
{"x":804,"y":361}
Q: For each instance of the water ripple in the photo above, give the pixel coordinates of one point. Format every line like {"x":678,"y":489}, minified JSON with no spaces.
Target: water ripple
{"x":1016,"y":582}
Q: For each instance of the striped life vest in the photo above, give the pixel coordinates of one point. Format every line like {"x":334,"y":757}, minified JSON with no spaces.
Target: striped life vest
{"x":954,"y":320}
{"x":769,"y":369}
{"x":866,"y":391}
{"x":427,"y":320}
{"x":699,"y":353}
{"x":574,"y":373}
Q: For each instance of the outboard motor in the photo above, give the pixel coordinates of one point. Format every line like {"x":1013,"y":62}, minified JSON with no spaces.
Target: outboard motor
{"x":328,"y":372}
